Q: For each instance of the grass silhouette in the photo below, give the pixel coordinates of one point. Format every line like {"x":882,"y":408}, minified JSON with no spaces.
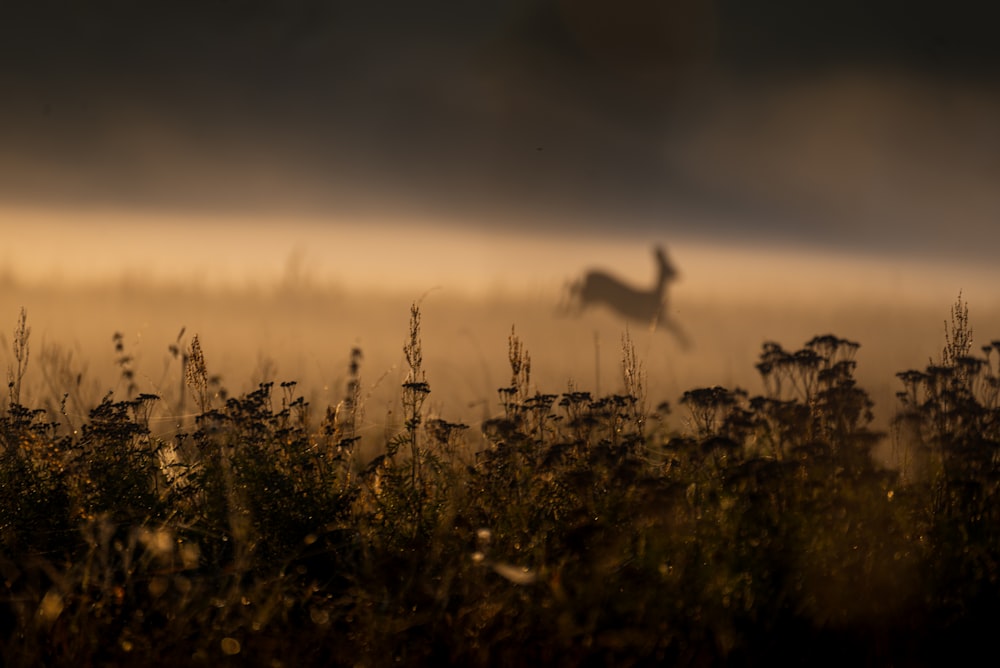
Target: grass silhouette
{"x":577,"y":530}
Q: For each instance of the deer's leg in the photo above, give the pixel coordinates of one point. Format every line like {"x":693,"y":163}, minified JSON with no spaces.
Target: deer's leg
{"x":576,"y":304}
{"x":569,"y":302}
{"x":678,"y":332}
{"x":655,"y":321}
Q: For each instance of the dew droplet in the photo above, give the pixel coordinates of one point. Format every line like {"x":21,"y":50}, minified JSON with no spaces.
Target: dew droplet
{"x":230,"y":646}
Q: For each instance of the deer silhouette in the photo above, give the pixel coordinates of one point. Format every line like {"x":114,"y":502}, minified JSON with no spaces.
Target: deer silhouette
{"x":650,"y":306}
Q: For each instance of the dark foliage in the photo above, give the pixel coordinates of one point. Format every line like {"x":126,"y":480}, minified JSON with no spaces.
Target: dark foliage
{"x":758,"y":530}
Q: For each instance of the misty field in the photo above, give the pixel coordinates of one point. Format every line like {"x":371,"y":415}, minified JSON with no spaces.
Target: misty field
{"x":438,"y":491}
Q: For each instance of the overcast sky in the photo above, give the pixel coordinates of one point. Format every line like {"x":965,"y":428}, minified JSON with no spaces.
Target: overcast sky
{"x":869,"y":126}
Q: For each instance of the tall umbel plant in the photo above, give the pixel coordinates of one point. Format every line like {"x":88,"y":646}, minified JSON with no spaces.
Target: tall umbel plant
{"x":949,"y":413}
{"x":948,"y":426}
{"x":34,"y":481}
{"x":15,"y":372}
{"x":415,"y":391}
{"x":399,"y":488}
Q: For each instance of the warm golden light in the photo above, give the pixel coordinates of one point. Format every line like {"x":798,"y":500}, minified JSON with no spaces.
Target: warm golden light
{"x":290,"y":297}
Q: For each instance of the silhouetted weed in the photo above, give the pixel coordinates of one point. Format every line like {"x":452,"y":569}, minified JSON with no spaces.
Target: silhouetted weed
{"x":758,"y":529}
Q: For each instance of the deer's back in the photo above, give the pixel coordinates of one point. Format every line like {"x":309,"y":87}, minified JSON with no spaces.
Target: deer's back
{"x":602,"y":288}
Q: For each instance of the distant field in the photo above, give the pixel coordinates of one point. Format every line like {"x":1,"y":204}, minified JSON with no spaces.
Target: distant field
{"x":305,"y":333}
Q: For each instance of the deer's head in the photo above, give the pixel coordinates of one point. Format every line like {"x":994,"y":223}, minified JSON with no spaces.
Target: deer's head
{"x":667,"y":272}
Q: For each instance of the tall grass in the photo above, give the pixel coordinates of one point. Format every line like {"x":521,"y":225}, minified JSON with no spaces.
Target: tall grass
{"x":574,"y":529}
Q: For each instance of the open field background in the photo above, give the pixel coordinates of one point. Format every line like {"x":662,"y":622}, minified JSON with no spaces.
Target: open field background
{"x":270,"y":305}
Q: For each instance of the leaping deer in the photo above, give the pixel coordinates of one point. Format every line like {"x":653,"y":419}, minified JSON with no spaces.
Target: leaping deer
{"x":600,"y":287}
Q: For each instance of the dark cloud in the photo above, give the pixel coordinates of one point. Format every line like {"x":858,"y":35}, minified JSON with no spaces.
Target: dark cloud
{"x":799,"y":121}
{"x":926,"y":35}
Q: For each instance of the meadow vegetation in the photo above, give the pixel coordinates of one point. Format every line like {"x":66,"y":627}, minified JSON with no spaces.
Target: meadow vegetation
{"x":568,"y":529}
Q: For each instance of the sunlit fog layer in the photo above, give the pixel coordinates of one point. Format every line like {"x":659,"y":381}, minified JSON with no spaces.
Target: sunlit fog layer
{"x":288,"y":300}
{"x":410,"y":257}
